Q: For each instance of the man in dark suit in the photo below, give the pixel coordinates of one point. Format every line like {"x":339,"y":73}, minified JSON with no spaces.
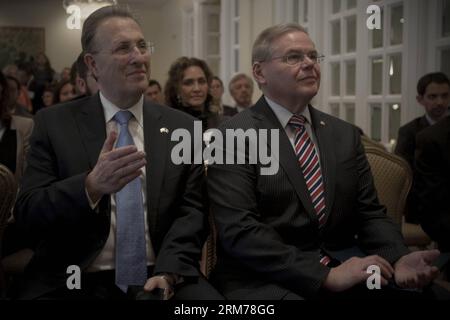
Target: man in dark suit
{"x":279,"y":234}
{"x":433,"y":93}
{"x":433,"y":181}
{"x":101,"y":191}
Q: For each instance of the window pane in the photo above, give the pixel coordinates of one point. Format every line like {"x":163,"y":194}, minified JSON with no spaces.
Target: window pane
{"x":213,"y":45}
{"x":377,"y":34}
{"x":377,"y":75}
{"x":395,"y":74}
{"x":375,"y":121}
{"x":351,"y":34}
{"x":351,"y":4}
{"x":350,"y":112}
{"x":336,"y":6}
{"x":213,"y":64}
{"x":305,"y":10}
{"x":394,"y":121}
{"x":335,"y":79}
{"x":213,"y":23}
{"x":236,"y":8}
{"x":336,"y":37}
{"x":350,"y":73}
{"x":397,"y":25}
{"x":295,"y":11}
{"x":236,"y":60}
{"x":445,"y":61}
{"x":334,"y":109}
{"x":446,"y":19}
{"x":236,"y":32}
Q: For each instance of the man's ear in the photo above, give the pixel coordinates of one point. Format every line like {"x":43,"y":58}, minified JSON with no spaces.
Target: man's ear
{"x":419,"y":99}
{"x":91,"y":64}
{"x":258,"y":73}
{"x":81,"y":84}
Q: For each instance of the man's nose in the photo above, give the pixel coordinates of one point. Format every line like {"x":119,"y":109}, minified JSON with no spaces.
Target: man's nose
{"x":137,"y":55}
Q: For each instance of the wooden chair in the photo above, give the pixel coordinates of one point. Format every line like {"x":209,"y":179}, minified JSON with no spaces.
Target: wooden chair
{"x":393,"y":180}
{"x":8,"y":190}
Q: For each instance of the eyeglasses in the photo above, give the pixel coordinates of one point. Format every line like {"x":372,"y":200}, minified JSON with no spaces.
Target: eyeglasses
{"x":126,"y":48}
{"x":295,"y":58}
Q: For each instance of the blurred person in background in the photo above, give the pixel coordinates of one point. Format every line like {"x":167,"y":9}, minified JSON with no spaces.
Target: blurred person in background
{"x":241,"y":89}
{"x":154,"y":92}
{"x":15,"y":107}
{"x":217,"y":91}
{"x":187,"y":89}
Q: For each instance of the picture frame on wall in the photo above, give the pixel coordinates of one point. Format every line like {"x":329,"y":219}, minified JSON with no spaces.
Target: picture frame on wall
{"x":20,"y":44}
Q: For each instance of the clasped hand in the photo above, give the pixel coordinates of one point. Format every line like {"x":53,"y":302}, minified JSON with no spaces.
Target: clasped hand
{"x":413,"y":271}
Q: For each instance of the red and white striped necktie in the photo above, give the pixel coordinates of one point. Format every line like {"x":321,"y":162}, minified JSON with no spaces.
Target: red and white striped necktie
{"x":310,"y":165}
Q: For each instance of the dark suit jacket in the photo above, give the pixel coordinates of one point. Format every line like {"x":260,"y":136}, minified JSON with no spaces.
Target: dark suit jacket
{"x":269,"y":237}
{"x":433,"y":181}
{"x":229,"y":111}
{"x":406,"y":141}
{"x":52,"y":207}
{"x":406,"y":146}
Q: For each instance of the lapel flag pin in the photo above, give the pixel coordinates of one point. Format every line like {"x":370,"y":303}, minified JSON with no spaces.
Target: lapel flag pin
{"x":164,"y":130}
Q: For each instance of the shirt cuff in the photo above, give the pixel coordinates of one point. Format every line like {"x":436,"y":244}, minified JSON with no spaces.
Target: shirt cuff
{"x":91,"y":203}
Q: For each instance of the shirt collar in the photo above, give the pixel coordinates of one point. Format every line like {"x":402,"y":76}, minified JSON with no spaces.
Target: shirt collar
{"x":110,"y":109}
{"x":284,"y":115}
{"x":431,"y":121}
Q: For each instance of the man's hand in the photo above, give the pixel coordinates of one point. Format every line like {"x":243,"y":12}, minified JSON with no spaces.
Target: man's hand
{"x":161,"y":282}
{"x":114,"y":169}
{"x":415,"y":270}
{"x":354,"y":271}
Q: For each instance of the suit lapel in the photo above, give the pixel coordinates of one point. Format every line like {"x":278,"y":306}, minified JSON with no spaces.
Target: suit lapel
{"x":91,"y":123}
{"x":155,"y":145}
{"x":287,"y":159}
{"x":324,"y":136}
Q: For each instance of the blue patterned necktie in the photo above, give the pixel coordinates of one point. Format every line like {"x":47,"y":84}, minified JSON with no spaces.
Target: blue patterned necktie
{"x":131,"y":254}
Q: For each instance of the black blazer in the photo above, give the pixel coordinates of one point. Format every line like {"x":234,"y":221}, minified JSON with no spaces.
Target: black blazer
{"x":406,"y":147}
{"x":52,"y":208}
{"x":269,"y":237}
{"x":433,"y":181}
{"x":406,"y":141}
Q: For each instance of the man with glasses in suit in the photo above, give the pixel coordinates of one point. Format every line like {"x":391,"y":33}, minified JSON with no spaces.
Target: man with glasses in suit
{"x":100,"y":191}
{"x":314,"y":228}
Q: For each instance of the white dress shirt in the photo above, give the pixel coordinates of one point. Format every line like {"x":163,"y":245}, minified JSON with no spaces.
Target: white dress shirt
{"x":284,"y":115}
{"x":2,"y":131}
{"x":106,"y":259}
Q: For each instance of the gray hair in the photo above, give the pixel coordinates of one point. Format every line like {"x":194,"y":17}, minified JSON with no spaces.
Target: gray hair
{"x":262,"y":48}
{"x":92,"y":23}
{"x":237,"y":77}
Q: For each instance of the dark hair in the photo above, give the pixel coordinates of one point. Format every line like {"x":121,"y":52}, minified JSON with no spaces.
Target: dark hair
{"x":92,"y":23}
{"x":80,"y":68}
{"x":5,"y":114}
{"x":218,"y":79}
{"x":435,"y":77}
{"x":176,"y":73}
{"x":58,"y":90}
{"x":153,"y":82}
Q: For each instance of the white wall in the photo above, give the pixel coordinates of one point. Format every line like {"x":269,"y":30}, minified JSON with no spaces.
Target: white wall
{"x":256,"y":15}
